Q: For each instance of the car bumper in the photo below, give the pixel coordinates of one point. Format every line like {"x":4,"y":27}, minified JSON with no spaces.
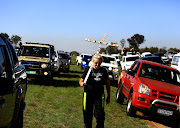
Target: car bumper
{"x":161,"y":107}
{"x":38,"y":72}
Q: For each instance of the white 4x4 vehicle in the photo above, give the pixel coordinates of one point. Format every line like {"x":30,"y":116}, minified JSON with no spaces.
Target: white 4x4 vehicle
{"x":57,"y":62}
{"x":176,"y":61}
{"x":144,"y":54}
{"x":127,"y":61}
{"x":110,"y":64}
{"x":117,"y":56}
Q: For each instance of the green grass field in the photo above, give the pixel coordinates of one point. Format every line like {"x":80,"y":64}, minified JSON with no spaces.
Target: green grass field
{"x":60,"y":105}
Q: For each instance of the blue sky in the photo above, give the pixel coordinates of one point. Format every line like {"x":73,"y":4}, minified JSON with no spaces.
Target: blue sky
{"x":66,"y":23}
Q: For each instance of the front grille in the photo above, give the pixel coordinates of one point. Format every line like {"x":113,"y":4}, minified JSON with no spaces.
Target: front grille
{"x":165,"y":96}
{"x":30,"y":64}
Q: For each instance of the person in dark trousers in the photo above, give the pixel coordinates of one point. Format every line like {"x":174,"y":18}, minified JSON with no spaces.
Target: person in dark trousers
{"x":93,"y":96}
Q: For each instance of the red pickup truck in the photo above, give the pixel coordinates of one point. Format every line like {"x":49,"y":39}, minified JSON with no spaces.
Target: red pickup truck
{"x":151,"y":87}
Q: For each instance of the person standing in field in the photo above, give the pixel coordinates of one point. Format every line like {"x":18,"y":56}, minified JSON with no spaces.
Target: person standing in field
{"x":93,"y":96}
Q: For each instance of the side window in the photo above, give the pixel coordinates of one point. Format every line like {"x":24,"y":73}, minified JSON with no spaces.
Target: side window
{"x":3,"y":69}
{"x":132,"y":66}
{"x":13,"y":54}
{"x":136,"y":67}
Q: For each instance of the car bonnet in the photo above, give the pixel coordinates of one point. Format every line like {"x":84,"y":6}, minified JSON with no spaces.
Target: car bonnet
{"x":160,"y":85}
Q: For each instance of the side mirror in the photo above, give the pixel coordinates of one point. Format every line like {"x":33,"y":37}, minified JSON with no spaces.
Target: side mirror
{"x":130,"y":72}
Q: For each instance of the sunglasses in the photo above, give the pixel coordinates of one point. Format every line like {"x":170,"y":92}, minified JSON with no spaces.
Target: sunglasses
{"x":96,"y":63}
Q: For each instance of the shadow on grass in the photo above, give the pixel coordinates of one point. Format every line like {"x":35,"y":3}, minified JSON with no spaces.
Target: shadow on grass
{"x":55,"y":83}
{"x":166,"y":121}
{"x":77,"y":71}
{"x":67,"y":76}
{"x":65,"y":83}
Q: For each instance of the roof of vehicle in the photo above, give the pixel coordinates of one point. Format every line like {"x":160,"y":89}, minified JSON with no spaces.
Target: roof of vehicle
{"x":160,"y":53}
{"x":131,"y":56}
{"x":62,"y":53}
{"x":107,"y":55}
{"x":157,"y":64}
{"x":115,"y":54}
{"x":178,"y":54}
{"x":146,"y":52}
{"x":1,"y":41}
{"x":86,"y":54}
{"x":153,"y":58}
{"x":146,"y":57}
{"x":38,"y":44}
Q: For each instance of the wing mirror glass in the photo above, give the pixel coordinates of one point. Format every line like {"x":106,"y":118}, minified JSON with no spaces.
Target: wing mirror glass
{"x":130,"y":72}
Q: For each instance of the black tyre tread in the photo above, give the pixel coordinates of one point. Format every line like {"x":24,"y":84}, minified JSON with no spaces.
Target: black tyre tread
{"x":132,"y":109}
{"x":120,"y":98}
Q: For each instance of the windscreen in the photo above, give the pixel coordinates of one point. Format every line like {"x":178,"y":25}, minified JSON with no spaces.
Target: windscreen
{"x":35,"y":51}
{"x":108,"y":59}
{"x":132,"y":58}
{"x":64,"y":56}
{"x":175,"y":60}
{"x":160,"y":74}
{"x":88,"y":58}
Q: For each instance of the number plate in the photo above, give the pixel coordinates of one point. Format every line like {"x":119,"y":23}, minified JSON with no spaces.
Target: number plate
{"x":31,"y":72}
{"x":165,"y":112}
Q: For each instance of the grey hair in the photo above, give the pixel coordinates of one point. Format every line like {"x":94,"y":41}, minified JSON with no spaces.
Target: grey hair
{"x":97,"y":56}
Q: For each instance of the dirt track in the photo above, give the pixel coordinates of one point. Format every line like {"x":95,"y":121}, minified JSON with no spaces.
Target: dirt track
{"x":158,"y":121}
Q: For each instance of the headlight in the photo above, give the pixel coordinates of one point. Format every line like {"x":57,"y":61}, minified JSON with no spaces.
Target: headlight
{"x":115,"y":69}
{"x":44,"y":65}
{"x":84,"y":62}
{"x":110,"y":68}
{"x":143,"y":89}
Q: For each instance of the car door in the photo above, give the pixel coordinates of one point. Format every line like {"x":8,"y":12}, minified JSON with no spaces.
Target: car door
{"x":129,"y":79}
{"x":12,"y":77}
{"x":7,"y":96}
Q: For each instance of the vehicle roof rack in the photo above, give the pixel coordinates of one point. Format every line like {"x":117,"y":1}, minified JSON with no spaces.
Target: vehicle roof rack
{"x":39,"y":43}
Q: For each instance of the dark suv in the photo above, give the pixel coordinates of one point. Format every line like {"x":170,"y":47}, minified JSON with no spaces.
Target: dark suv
{"x":38,"y":59}
{"x":13,"y":86}
{"x":65,"y":60}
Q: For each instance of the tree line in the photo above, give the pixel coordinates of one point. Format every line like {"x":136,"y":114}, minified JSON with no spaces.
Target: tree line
{"x":134,"y":42}
{"x":14,"y":39}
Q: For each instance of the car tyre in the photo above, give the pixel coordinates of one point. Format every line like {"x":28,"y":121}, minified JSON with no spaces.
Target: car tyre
{"x":119,"y":95}
{"x":131,"y":110}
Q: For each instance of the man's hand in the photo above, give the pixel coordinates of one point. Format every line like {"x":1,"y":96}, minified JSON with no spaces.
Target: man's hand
{"x":81,"y":82}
